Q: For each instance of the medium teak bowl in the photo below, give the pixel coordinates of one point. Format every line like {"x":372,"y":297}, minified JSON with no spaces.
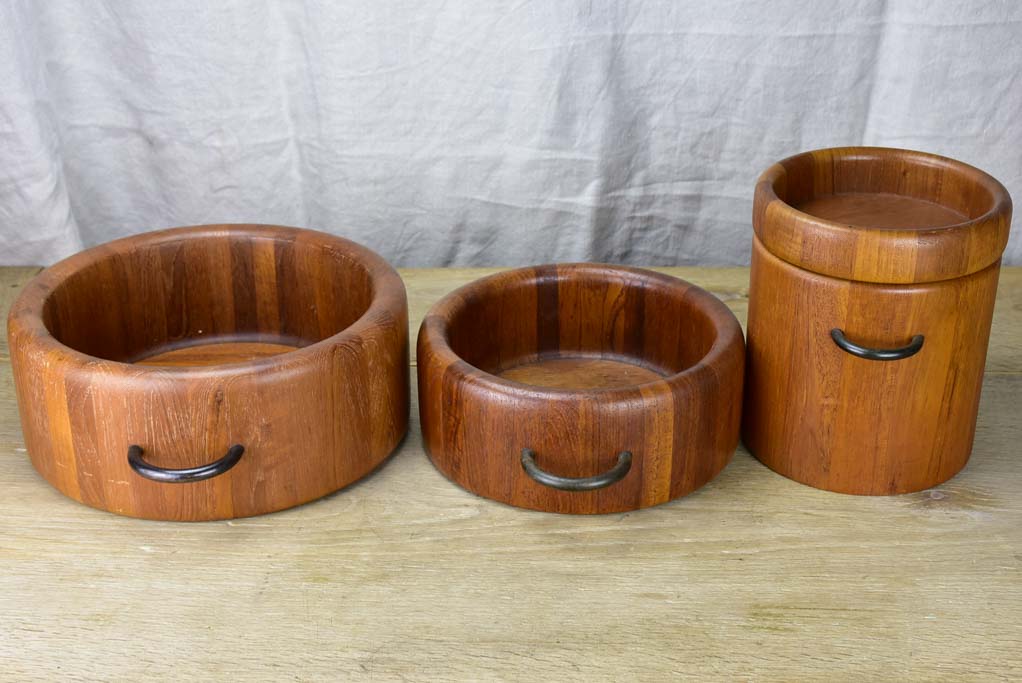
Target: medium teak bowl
{"x":580,"y":388}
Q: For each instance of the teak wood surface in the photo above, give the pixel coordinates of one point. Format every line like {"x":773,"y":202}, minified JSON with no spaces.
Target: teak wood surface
{"x":406,"y":576}
{"x":481,"y":349}
{"x":842,"y":423}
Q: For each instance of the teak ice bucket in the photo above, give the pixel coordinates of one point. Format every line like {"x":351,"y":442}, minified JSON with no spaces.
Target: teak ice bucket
{"x":211,"y":372}
{"x":872,"y":289}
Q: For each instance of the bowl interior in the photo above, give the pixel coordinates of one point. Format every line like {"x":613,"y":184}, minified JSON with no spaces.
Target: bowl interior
{"x":882,"y":188}
{"x":581,"y":327}
{"x":253,"y":294}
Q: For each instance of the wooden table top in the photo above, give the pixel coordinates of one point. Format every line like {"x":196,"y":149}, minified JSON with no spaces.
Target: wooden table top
{"x":407,"y":576}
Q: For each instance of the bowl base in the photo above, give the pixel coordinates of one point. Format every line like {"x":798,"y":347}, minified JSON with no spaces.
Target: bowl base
{"x":565,"y":371}
{"x":215,"y":353}
{"x":881,"y":210}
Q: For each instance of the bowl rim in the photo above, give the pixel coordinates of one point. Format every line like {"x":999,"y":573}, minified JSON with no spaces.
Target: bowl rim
{"x":25,"y":315}
{"x":843,"y":240}
{"x":435,"y":326}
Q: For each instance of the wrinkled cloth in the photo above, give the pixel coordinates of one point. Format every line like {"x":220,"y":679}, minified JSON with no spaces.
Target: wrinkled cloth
{"x":457,"y":132}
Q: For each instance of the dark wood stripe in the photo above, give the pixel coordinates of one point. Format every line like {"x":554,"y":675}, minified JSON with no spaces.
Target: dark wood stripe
{"x":548,"y":335}
{"x":246,"y":310}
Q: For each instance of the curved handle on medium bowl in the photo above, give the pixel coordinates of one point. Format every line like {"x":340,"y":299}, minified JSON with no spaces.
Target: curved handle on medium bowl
{"x":598,"y":481}
{"x":911,"y":349}
{"x":183,"y":476}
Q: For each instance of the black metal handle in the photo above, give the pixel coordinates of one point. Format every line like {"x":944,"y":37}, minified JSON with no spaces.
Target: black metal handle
{"x":599,"y":481}
{"x":876,"y":354}
{"x":150,"y":471}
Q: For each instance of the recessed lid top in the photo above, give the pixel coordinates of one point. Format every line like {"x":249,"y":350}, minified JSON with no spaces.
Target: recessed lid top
{"x":875,"y":214}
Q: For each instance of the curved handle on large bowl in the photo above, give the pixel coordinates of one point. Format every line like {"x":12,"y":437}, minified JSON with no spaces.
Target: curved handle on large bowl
{"x":911,"y":349}
{"x":183,"y":476}
{"x":598,"y":481}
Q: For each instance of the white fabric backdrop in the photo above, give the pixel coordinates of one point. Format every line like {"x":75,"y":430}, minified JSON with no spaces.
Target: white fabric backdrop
{"x":463,"y":132}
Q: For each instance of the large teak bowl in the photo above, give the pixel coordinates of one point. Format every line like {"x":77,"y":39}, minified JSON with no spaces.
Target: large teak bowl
{"x":211,"y":372}
{"x":580,"y":388}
